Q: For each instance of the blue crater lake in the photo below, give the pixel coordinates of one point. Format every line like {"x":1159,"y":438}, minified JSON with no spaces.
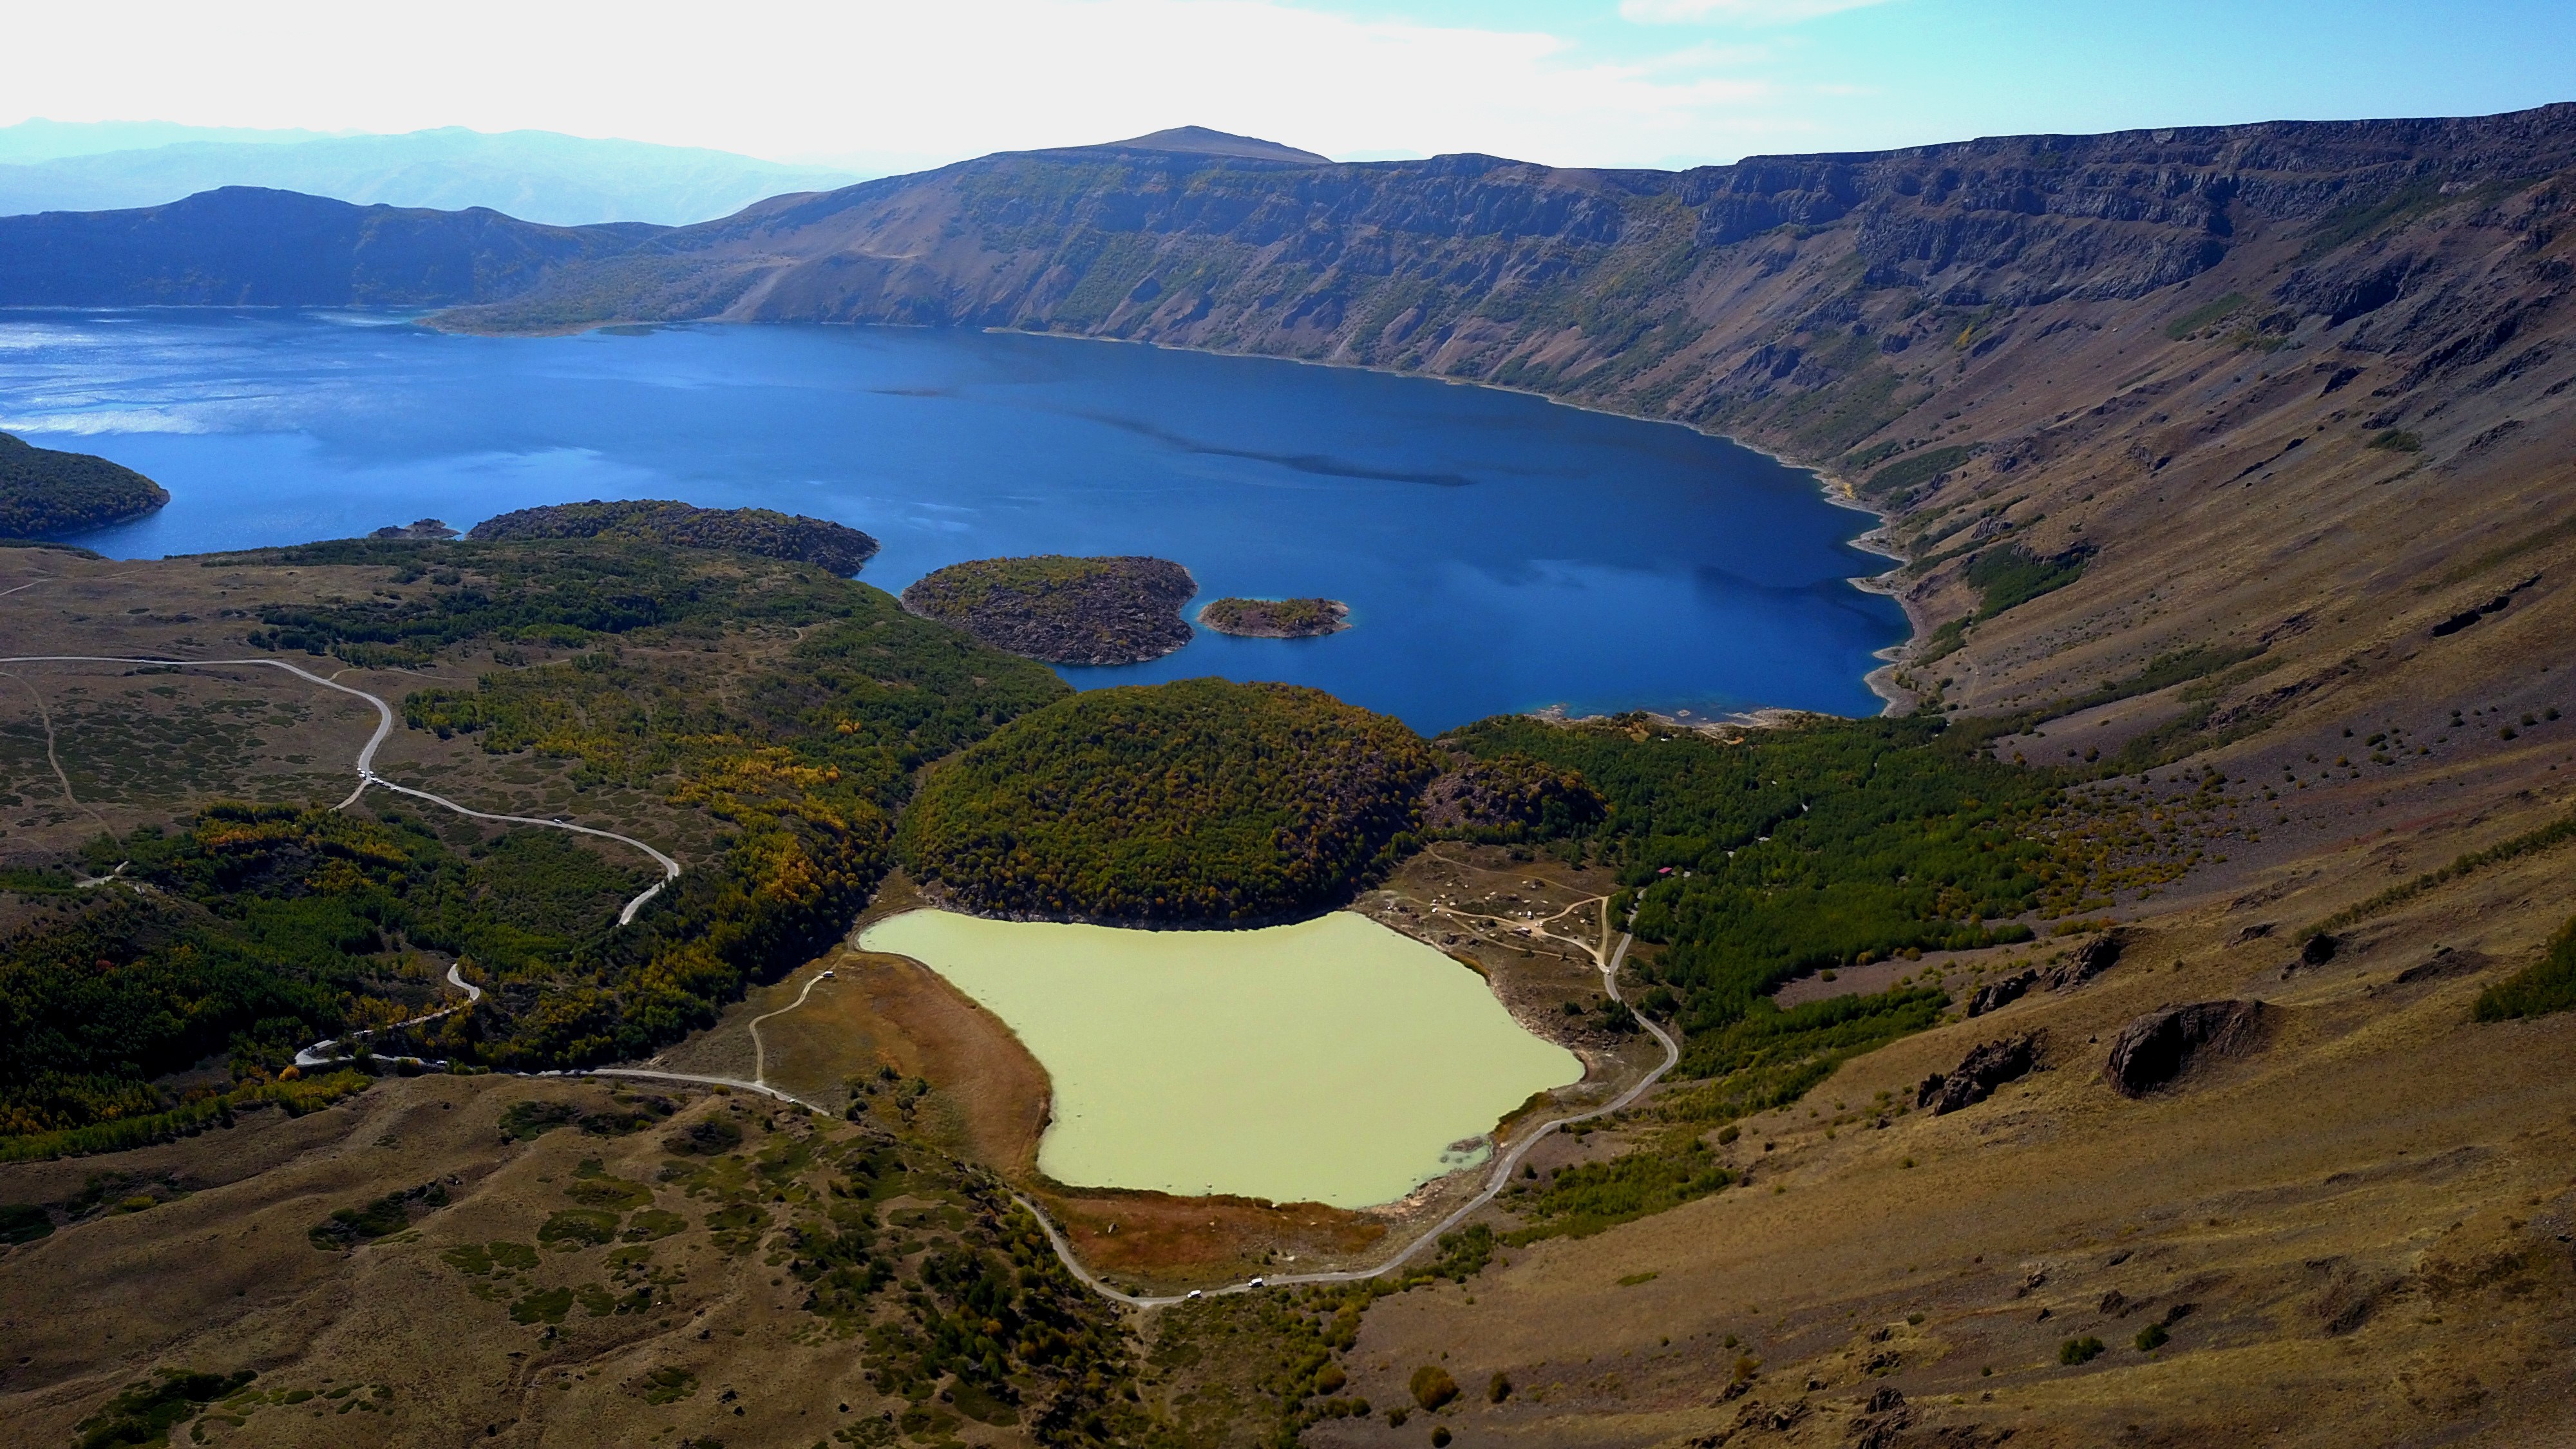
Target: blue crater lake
{"x":1499,"y":552}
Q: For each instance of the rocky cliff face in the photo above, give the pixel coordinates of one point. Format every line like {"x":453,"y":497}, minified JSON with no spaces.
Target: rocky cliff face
{"x":2264,"y":391}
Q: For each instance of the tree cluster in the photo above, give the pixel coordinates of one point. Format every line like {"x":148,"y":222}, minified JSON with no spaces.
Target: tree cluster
{"x":1200,"y":801}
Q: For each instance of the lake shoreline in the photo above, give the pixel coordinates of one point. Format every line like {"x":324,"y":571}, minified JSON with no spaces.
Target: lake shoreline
{"x":1480,"y":603}
{"x":1275,"y":1053}
{"x":1829,"y":486}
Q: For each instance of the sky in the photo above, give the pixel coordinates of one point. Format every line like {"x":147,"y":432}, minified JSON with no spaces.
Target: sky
{"x":1665,"y":83}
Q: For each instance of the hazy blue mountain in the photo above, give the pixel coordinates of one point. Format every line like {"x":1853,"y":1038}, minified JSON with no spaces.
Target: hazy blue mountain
{"x":43,"y":140}
{"x":534,"y":175}
{"x":241,"y":246}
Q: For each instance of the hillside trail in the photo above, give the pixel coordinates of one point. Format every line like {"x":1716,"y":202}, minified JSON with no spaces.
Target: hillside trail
{"x":367,"y":775}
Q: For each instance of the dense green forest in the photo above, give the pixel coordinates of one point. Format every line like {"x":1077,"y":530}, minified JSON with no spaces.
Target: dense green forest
{"x":834,"y":547}
{"x":265,"y":928}
{"x":270,"y":926}
{"x":1196,"y":801}
{"x":1757,"y":859}
{"x":47,"y":492}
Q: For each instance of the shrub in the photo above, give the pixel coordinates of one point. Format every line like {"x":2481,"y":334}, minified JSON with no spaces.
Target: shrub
{"x":1499,"y":1389}
{"x":24,"y":1222}
{"x":2079,"y":1350}
{"x":578,"y":1228}
{"x":146,"y":1412}
{"x":1432,"y":1386}
{"x":2012,"y":575}
{"x":707,"y":1137}
{"x":2153,"y":1337}
{"x":1440,"y":1437}
{"x":2207,"y":313}
{"x":2547,"y":985}
{"x":1920,"y":468}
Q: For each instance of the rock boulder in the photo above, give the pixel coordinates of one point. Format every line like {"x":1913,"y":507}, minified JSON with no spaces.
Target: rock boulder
{"x":1977,"y":1076}
{"x":2161,"y":1045}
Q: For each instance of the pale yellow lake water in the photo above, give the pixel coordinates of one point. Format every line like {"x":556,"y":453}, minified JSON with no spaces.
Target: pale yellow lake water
{"x":1331,"y":1061}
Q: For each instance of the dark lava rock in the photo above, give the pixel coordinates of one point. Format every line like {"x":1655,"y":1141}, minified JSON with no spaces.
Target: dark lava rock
{"x":2095,"y":957}
{"x":2444,"y":962}
{"x":1510,"y":796}
{"x":762,"y":531}
{"x":1984,"y":1069}
{"x":2320,"y":949}
{"x":2161,"y":1045}
{"x":1064,"y":610}
{"x":1996,"y":994}
{"x":424,"y":528}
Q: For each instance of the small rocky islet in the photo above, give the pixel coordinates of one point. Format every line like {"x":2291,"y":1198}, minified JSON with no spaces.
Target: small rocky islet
{"x":1120,"y":609}
{"x":1276,"y":618}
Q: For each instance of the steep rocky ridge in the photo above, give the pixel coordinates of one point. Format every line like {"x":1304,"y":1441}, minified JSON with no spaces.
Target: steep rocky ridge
{"x":2159,"y":357}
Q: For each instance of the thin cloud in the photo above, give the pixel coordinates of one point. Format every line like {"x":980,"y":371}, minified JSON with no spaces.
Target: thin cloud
{"x":1735,"y":12}
{"x":903,"y":84}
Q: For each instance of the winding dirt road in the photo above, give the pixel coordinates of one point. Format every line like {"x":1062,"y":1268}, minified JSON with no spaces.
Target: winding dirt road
{"x":367,"y":775}
{"x":1498,"y":1176}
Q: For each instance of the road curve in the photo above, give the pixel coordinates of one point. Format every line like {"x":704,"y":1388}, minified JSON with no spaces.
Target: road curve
{"x":1497,"y":1178}
{"x":367,"y":759}
{"x":312,"y":1056}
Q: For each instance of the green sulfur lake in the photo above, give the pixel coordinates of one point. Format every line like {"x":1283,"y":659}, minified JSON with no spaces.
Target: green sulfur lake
{"x":1331,"y":1061}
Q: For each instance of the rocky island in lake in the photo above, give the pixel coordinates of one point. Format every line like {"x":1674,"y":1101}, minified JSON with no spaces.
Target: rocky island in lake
{"x":1064,"y":610}
{"x":1276,"y":618}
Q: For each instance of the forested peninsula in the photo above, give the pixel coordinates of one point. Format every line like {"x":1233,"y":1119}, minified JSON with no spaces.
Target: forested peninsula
{"x":767,"y":532}
{"x":45,"y":493}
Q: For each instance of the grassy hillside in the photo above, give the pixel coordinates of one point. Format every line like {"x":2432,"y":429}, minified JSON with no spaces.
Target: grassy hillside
{"x":268,"y":926}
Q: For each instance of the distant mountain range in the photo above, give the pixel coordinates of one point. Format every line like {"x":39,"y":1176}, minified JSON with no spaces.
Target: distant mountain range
{"x":245,"y":247}
{"x":534,"y":175}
